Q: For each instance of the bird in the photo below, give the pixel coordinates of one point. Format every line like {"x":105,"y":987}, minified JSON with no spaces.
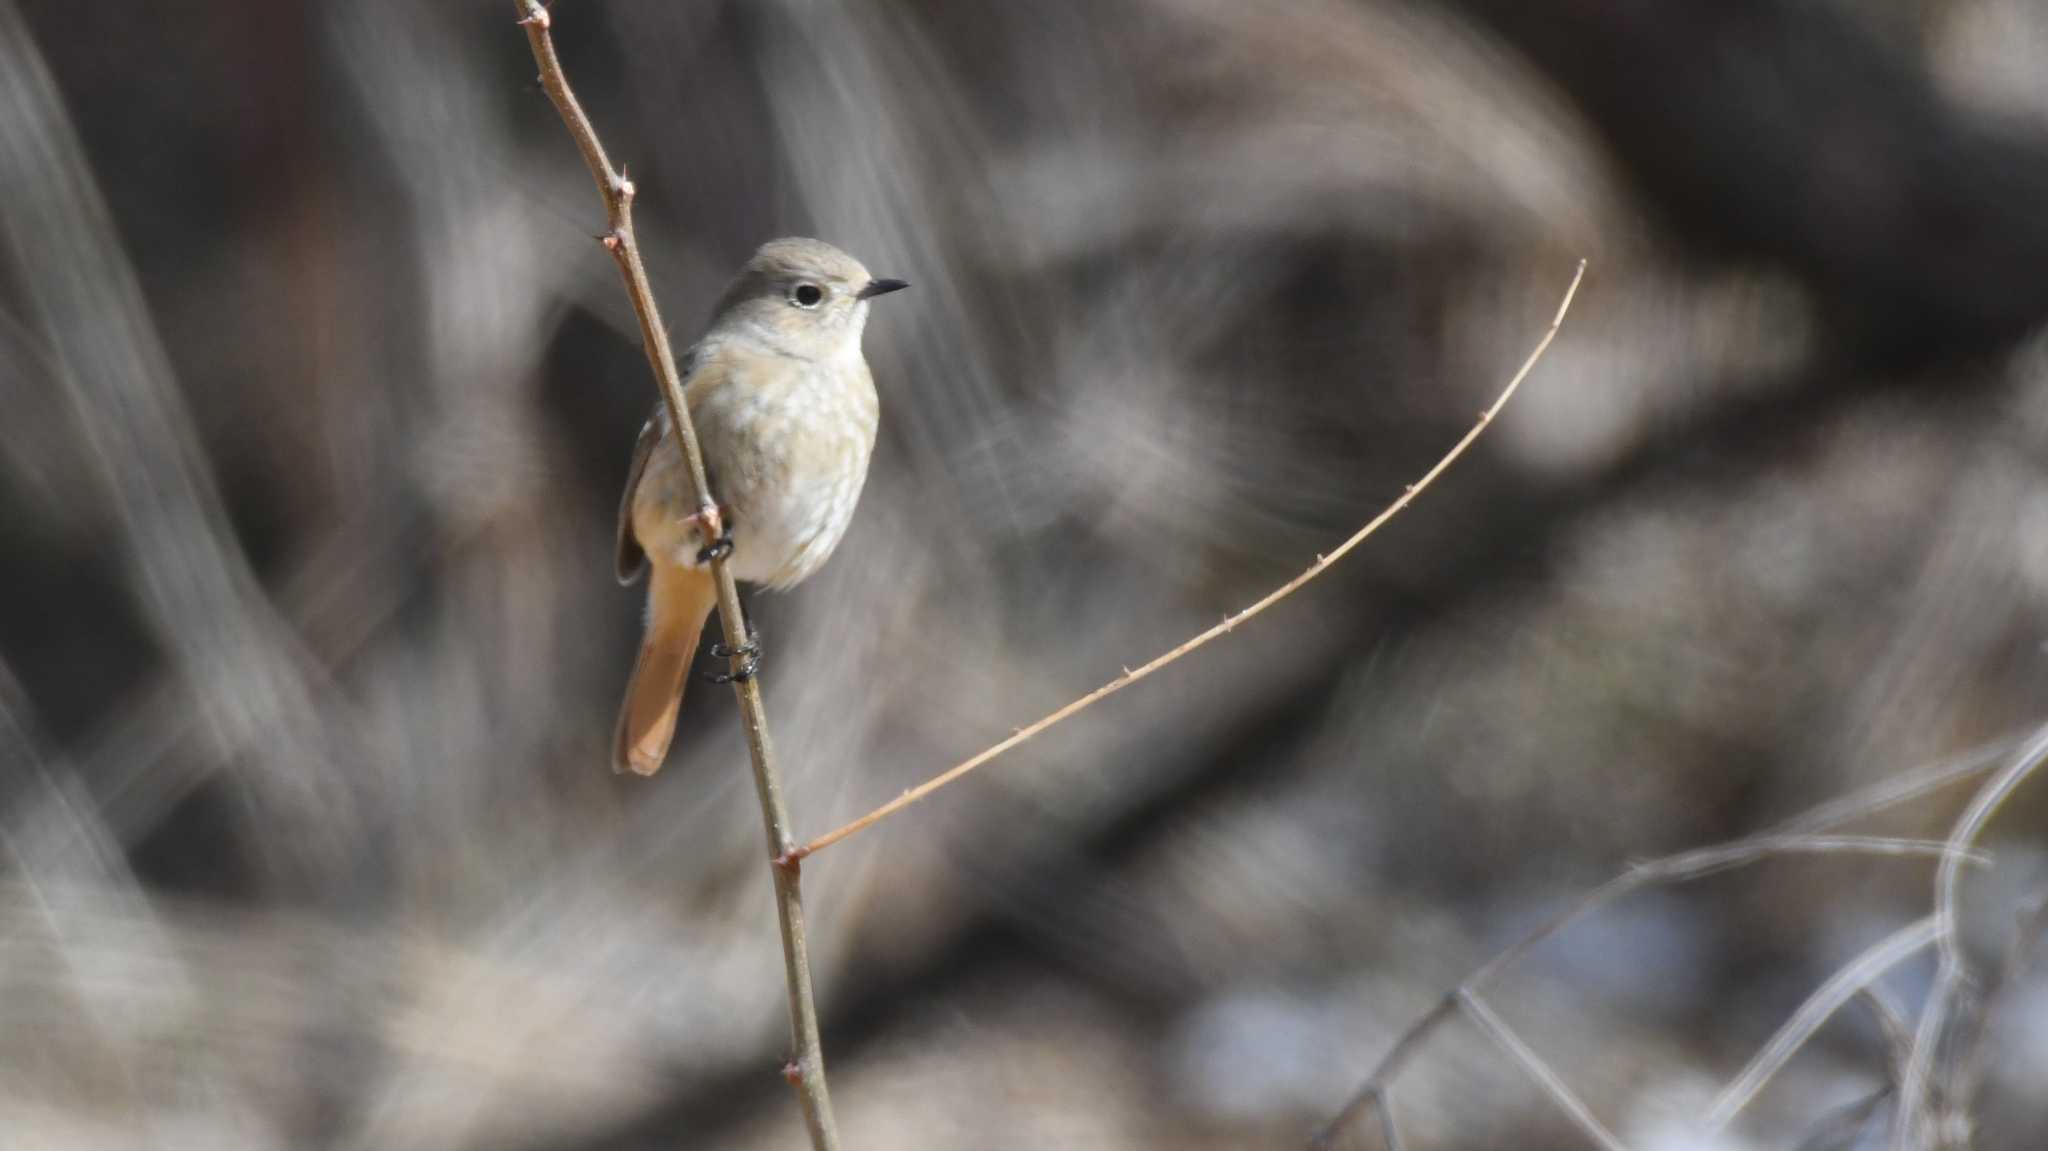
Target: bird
{"x":786,"y":413}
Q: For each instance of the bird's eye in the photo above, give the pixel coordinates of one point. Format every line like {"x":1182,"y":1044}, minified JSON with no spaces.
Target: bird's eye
{"x":806,"y":295}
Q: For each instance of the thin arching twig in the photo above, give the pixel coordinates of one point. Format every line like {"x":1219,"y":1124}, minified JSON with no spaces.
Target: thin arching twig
{"x":1904,"y":787}
{"x":806,"y":1068}
{"x":1699,"y":864}
{"x":1819,"y":1007}
{"x":1230,"y":623}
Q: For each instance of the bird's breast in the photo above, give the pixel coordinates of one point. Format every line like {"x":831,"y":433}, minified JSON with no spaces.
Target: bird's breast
{"x":787,"y":444}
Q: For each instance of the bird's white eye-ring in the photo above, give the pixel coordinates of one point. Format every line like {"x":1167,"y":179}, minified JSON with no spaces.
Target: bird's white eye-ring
{"x":807,"y":295}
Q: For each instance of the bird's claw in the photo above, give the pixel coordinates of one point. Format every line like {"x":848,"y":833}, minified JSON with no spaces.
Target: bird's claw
{"x":747,"y":650}
{"x":750,"y":665}
{"x":748,"y":653}
{"x":717,"y":549}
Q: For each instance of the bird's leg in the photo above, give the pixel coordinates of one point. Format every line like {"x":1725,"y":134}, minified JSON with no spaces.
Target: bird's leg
{"x":748,"y":652}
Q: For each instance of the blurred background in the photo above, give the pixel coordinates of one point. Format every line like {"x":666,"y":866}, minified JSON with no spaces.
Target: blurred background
{"x":316,"y":396}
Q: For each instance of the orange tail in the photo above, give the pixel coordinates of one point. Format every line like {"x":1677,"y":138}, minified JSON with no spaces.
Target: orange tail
{"x":679,"y":600}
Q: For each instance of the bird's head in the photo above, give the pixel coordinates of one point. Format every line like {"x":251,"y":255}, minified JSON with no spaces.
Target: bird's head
{"x":801,"y":297}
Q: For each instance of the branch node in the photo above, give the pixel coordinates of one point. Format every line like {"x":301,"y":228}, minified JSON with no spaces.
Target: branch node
{"x":612,"y":241}
{"x":793,"y":1073}
{"x":537,"y":17}
{"x":791,"y":861}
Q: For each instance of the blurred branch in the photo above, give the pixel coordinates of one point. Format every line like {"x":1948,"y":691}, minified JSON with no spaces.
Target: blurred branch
{"x":1390,"y":1132}
{"x":1848,"y":1120}
{"x":806,"y":1069}
{"x":336,"y":598}
{"x":1898,"y":1038}
{"x":1953,"y":973}
{"x":1323,"y":563}
{"x":1680,"y":868}
{"x":1943,"y":258}
{"x":250,"y":683}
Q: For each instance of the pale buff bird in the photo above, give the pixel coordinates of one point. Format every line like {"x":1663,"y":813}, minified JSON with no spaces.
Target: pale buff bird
{"x":785,"y":410}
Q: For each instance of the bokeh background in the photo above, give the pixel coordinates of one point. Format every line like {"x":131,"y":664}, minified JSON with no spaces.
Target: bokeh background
{"x":315,"y":397}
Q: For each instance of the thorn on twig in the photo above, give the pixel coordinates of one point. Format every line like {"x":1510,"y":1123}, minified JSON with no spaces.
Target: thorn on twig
{"x":537,"y":16}
{"x":611,"y":242}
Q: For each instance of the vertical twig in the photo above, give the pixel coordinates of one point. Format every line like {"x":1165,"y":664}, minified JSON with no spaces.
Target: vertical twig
{"x":1968,"y":1077}
{"x":1898,"y":1038}
{"x":1914,"y":1091}
{"x":806,"y":1068}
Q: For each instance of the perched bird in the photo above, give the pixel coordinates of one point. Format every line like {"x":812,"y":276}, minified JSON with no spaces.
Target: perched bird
{"x":785,"y":410}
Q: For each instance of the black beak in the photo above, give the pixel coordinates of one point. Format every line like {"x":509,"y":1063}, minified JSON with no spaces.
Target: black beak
{"x":881,"y":288}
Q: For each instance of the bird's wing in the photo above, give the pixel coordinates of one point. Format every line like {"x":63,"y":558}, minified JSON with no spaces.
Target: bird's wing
{"x":630,"y":560}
